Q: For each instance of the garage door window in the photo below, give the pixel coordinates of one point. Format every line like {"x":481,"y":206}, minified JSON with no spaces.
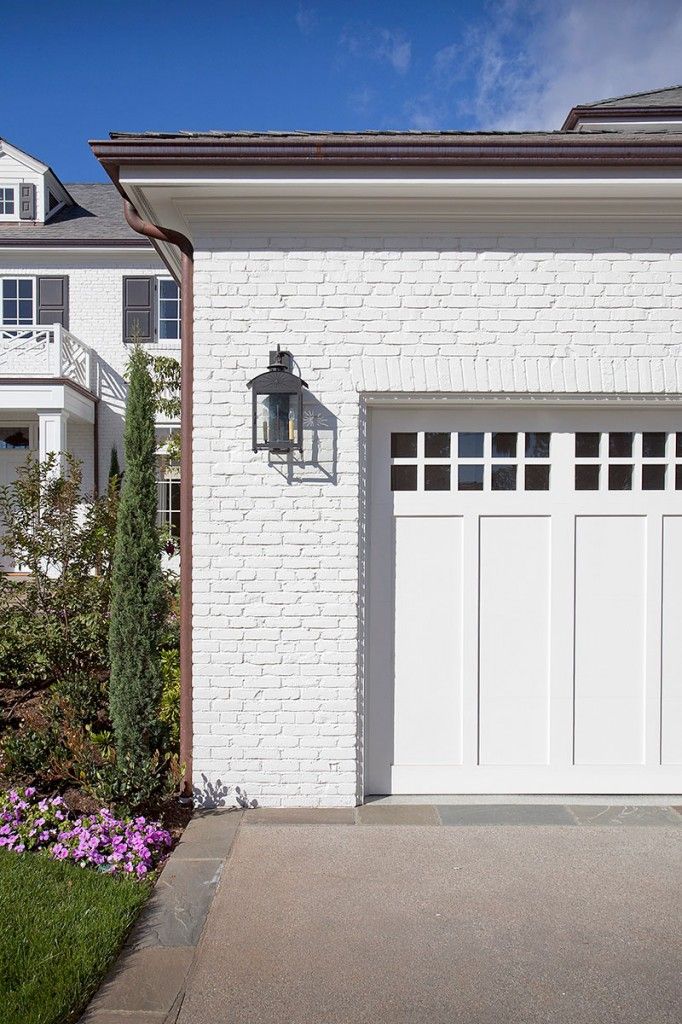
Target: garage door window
{"x":470,"y":461}
{"x":628,"y":461}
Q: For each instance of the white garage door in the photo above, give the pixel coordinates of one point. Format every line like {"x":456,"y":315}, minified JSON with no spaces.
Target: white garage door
{"x":525,"y":600}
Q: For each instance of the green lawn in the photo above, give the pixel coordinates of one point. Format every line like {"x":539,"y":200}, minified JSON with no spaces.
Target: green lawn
{"x":61,"y":926}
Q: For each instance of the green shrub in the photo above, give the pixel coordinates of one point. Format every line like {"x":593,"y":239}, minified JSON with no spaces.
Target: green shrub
{"x":54,"y":621}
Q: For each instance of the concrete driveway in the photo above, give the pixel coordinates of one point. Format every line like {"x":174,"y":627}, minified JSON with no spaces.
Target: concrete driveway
{"x":440,"y":919}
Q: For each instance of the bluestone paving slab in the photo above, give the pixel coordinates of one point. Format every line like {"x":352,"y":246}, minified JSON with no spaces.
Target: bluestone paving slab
{"x":610,"y":815}
{"x":422,"y":925}
{"x":176,"y":911}
{"x":300,"y":816}
{"x":397,"y":814}
{"x":209,"y":835}
{"x":142,"y":980}
{"x":505,"y":814}
{"x":121,"y":1017}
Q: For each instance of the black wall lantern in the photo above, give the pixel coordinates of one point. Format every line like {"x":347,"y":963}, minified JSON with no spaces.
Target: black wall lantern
{"x":277,"y":406}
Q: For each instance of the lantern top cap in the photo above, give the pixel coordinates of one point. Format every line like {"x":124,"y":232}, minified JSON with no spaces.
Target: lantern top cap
{"x":278,"y":378}
{"x":277,"y":381}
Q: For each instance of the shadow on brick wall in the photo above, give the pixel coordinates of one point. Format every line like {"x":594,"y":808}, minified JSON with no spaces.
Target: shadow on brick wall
{"x":317,"y":464}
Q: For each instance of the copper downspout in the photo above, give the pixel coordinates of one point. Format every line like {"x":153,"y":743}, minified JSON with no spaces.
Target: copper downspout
{"x":144,"y":227}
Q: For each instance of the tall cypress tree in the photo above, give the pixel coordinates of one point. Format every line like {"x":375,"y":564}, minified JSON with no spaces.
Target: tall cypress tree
{"x":114,"y":469}
{"x":138,"y":601}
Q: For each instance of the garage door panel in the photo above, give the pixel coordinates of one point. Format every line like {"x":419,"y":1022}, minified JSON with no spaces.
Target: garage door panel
{"x":514,"y":639}
{"x":671,"y":738}
{"x":610,"y":638}
{"x":525,"y":599}
{"x":428,"y":640}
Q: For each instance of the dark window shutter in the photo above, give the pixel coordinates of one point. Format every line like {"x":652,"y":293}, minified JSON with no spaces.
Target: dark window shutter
{"x":53,"y":300}
{"x":138,"y":309}
{"x":27,"y":202}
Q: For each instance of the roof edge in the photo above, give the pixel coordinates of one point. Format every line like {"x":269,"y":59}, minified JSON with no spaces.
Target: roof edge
{"x":74,"y":243}
{"x":592,"y":111}
{"x":557,"y":148}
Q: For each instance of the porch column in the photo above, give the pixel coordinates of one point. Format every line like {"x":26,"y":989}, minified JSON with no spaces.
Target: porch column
{"x":52,"y":437}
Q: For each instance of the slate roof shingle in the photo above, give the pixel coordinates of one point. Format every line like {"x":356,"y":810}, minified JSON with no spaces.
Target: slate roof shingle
{"x":668,"y":97}
{"x":97,"y":217}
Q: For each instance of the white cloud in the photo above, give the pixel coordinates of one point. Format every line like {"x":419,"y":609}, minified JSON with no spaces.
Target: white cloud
{"x":306,"y":19}
{"x":384,"y":45}
{"x":534,"y":60}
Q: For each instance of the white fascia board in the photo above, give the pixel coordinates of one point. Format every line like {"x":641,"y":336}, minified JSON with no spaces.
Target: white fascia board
{"x":48,"y":398}
{"x":179,"y":198}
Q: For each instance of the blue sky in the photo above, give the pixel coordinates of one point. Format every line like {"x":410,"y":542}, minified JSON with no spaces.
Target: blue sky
{"x":75,"y":69}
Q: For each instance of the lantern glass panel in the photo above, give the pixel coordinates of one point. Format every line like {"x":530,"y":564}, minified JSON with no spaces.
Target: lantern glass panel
{"x":278,"y":420}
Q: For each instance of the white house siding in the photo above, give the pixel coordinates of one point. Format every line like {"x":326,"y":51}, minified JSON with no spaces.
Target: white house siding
{"x":96,"y":318}
{"x":277,"y":655}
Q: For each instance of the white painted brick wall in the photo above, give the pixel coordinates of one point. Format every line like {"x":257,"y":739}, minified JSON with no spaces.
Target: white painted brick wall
{"x":276,"y":554}
{"x":96,"y":318}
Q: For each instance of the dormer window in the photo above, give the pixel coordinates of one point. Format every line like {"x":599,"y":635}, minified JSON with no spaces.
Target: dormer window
{"x":8,"y":205}
{"x":52,"y":202}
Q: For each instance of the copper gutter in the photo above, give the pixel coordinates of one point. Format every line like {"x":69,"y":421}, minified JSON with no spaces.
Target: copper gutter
{"x":154,"y":231}
{"x":539,"y":149}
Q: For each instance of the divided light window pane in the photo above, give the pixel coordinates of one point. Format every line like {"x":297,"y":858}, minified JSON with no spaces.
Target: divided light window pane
{"x":504,"y":446}
{"x":587,"y":445}
{"x":169,"y":310}
{"x":653,"y":477}
{"x":470,"y":478}
{"x":403,"y":446}
{"x":653,"y":445}
{"x":503,"y":478}
{"x":436,"y":478}
{"x":437,"y":446}
{"x":403,"y":478}
{"x":470,"y":446}
{"x":620,"y":446}
{"x":6,"y":202}
{"x":17,"y":301}
{"x":537,"y":446}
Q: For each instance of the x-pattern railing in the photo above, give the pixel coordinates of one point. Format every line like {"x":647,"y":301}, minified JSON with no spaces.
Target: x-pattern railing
{"x":36,"y":350}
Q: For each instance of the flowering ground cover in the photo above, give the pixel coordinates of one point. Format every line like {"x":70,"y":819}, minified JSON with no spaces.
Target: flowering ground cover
{"x":70,"y":888}
{"x":30,"y":823}
{"x":61,"y":927}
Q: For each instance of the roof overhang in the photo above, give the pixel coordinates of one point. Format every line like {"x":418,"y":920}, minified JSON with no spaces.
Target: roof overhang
{"x":185,"y":182}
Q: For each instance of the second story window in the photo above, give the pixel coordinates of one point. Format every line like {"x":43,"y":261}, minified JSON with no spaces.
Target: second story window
{"x":18,"y":301}
{"x":169,"y":309}
{"x":7,"y":202}
{"x":151,"y":310}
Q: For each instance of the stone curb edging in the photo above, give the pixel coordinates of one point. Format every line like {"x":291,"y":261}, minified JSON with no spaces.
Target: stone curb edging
{"x":146,"y":982}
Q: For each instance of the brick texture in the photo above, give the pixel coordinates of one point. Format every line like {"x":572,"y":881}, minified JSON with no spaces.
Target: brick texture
{"x":277,"y":657}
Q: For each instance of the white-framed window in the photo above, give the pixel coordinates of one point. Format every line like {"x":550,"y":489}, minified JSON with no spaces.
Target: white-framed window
{"x":15,"y":438}
{"x":168,"y":312}
{"x":8,"y":202}
{"x":168,"y":504}
{"x":17,"y":295}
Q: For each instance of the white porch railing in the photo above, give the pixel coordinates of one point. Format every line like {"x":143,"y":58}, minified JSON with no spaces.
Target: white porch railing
{"x":46,"y":351}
